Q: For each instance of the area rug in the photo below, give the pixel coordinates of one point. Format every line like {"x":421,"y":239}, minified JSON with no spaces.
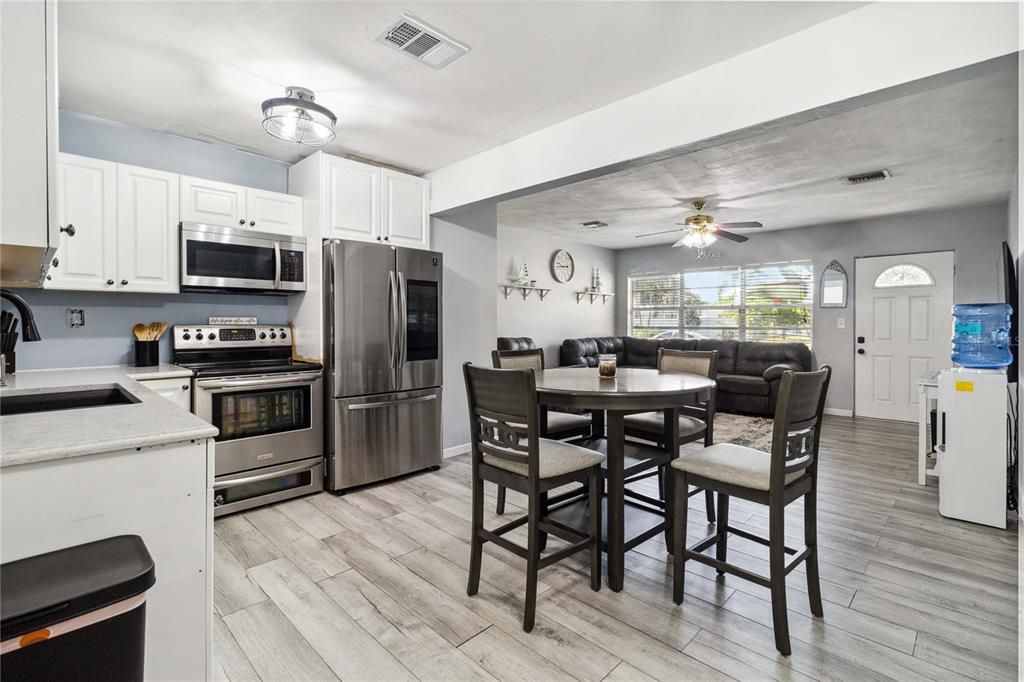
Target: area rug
{"x":753,"y":432}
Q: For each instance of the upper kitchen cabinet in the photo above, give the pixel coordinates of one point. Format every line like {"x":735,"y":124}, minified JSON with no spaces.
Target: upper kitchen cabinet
{"x":347,"y":199}
{"x":86,"y":255}
{"x":406,"y":209}
{"x":220,"y":203}
{"x":28,"y":140}
{"x":147,"y":230}
{"x":120,"y":228}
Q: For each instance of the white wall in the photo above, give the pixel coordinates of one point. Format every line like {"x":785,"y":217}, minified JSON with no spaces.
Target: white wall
{"x":558,"y":316}
{"x":974,"y":233}
{"x":468,"y":241}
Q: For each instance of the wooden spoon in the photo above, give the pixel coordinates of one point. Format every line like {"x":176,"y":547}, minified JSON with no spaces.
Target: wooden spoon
{"x":139,"y":329}
{"x":154,"y":331}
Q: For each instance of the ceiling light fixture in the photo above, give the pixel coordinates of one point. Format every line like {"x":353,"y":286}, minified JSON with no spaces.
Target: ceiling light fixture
{"x":698,"y":238}
{"x":297,"y":117}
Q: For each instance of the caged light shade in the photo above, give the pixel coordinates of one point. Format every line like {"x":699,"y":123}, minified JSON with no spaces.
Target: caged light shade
{"x":297,"y":117}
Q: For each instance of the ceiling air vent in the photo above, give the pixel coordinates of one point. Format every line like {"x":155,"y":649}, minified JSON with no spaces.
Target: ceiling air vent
{"x":864,"y":178}
{"x":423,"y":43}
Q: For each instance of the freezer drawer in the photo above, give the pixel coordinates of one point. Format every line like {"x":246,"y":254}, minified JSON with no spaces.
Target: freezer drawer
{"x":381,"y":436}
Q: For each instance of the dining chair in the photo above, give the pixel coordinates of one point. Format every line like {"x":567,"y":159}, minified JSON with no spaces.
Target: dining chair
{"x":787,"y":474}
{"x":696,"y":421}
{"x":556,"y":425}
{"x":507,"y":449}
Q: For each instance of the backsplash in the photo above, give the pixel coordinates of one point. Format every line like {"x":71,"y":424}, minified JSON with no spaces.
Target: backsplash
{"x":106,"y":338}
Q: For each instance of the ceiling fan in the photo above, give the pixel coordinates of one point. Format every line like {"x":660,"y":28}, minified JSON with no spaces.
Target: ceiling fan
{"x":702,"y":230}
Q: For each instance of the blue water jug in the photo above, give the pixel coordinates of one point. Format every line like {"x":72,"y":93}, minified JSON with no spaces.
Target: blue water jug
{"x":981,"y":335}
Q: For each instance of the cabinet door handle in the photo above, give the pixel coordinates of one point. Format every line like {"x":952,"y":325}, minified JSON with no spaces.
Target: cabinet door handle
{"x":242,"y":221}
{"x":378,"y":237}
{"x":387,"y":239}
{"x":110,"y":282}
{"x":124,"y":282}
{"x":55,"y":262}
{"x":252,"y":222}
{"x":185,"y":387}
{"x":70,"y":230}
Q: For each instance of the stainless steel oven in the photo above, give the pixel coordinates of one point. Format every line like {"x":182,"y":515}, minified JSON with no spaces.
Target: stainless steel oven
{"x":227,"y":258}
{"x":270,"y":444}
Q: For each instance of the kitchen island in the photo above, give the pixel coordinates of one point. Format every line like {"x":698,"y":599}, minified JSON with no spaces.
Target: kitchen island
{"x":143,"y":467}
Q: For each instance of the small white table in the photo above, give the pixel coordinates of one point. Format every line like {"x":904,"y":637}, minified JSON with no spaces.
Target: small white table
{"x":927,"y":393}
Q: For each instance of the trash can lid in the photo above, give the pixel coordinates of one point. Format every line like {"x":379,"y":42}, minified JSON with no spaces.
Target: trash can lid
{"x":46,"y":589}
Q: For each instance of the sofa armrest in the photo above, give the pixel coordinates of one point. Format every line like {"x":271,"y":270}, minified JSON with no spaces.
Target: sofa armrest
{"x":776,"y":371}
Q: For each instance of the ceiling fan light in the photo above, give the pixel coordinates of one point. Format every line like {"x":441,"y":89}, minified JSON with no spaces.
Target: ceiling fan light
{"x":297,"y":118}
{"x":697,"y":239}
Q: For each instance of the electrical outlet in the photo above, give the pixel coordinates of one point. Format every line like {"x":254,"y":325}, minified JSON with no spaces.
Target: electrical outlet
{"x":841,"y":323}
{"x":76,"y":317}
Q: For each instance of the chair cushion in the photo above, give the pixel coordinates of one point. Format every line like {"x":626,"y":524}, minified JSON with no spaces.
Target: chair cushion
{"x":556,"y":458}
{"x":654,"y":422}
{"x":737,"y":383}
{"x":734,"y":464}
{"x":562,"y":421}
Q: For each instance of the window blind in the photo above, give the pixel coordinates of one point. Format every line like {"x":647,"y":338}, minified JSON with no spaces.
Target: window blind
{"x":763,"y":302}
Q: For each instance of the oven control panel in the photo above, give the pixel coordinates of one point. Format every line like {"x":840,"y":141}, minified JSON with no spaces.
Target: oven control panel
{"x":210,"y":336}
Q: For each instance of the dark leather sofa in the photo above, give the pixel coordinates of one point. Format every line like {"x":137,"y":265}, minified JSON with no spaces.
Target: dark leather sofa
{"x":748,"y":371}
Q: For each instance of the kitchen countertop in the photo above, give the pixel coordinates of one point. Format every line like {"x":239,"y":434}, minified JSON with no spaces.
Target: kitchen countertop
{"x":61,"y":434}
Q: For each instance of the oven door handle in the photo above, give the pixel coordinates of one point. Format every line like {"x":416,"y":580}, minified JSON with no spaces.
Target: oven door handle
{"x":297,"y":381}
{"x":254,"y":478}
{"x":391,"y":403}
{"x":277,"y":265}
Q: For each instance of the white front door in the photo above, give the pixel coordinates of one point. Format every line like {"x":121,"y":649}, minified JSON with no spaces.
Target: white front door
{"x":903,"y":328}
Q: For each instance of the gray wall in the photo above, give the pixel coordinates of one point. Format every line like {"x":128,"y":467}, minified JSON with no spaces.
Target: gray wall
{"x":99,"y":138}
{"x":558,"y":316}
{"x":106,"y":337}
{"x":974,"y":233}
{"x":468,"y":241}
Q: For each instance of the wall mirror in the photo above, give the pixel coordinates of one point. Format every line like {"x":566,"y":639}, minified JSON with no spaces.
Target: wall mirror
{"x":833,"y":286}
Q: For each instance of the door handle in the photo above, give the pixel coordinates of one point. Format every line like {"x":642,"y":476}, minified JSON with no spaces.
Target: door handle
{"x":390,"y":403}
{"x":263,"y":477}
{"x":277,"y":265}
{"x":403,"y":312}
{"x":860,"y":351}
{"x":295,"y":381}
{"x":860,"y":339}
{"x":392,"y":320}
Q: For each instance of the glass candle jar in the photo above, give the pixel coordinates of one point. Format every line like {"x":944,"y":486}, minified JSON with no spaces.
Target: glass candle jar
{"x":606,"y":366}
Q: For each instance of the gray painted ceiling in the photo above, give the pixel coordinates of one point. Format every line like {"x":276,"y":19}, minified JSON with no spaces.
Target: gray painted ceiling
{"x":201,"y":69}
{"x":953,"y":145}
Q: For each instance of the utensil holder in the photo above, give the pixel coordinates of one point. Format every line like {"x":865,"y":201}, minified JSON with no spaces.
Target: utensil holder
{"x":9,"y":363}
{"x":147,"y":353}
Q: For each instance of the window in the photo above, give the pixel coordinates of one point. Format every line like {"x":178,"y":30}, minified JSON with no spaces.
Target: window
{"x":904,"y":275}
{"x":766,"y":302}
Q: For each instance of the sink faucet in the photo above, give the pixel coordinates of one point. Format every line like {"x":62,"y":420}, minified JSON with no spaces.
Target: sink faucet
{"x":29,"y":331}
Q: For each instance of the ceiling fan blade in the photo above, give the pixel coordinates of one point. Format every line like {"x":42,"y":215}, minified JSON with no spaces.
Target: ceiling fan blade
{"x":737,"y":226}
{"x":651,"y":234}
{"x":738,"y":238}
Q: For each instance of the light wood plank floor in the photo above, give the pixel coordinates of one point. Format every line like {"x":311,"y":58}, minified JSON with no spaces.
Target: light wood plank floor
{"x":371,"y":585}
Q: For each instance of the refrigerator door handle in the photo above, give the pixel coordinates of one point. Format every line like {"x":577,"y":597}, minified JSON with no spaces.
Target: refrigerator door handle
{"x":392,"y":320}
{"x":403,"y":327}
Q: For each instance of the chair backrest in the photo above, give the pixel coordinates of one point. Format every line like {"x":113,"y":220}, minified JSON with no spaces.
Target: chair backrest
{"x":518,"y":359}
{"x":503,"y":417}
{"x":702,"y":362}
{"x":797,"y":429}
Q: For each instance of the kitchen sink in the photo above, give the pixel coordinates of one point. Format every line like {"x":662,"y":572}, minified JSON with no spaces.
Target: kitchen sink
{"x":65,"y":399}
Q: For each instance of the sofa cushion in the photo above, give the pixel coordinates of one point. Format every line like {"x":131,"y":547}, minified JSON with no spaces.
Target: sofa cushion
{"x":515,"y":343}
{"x":585,"y":351}
{"x":679,"y":344}
{"x":753,"y":359}
{"x":726,"y":354}
{"x":641,"y":352}
{"x":739,"y":383}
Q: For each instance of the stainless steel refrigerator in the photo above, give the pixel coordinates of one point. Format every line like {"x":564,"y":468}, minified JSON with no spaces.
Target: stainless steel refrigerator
{"x":383,"y":350}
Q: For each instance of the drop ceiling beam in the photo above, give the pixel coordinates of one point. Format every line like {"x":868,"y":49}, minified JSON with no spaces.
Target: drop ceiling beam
{"x":873,"y":48}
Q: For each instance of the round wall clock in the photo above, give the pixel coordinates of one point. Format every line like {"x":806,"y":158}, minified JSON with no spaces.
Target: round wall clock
{"x":562,"y":266}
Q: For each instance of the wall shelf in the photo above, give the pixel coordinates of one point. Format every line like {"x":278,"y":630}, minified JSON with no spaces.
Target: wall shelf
{"x":594,"y":295}
{"x":524,"y":290}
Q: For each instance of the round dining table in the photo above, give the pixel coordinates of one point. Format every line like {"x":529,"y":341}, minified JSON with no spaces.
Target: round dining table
{"x":610,"y":399}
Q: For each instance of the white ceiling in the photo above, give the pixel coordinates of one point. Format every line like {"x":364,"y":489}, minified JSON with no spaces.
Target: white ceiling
{"x":201,"y":69}
{"x":950,"y":146}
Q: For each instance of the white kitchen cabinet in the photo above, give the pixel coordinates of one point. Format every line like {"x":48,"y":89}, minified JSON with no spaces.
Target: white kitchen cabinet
{"x":273,"y":212}
{"x":86,"y":258}
{"x":178,"y":391}
{"x":147,"y":230}
{"x":221,"y":203}
{"x":353,"y":200}
{"x":212,"y":202}
{"x":347,"y":199}
{"x":405,"y":214}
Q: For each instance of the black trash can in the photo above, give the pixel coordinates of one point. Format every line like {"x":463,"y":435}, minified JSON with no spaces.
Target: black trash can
{"x":77,"y":613}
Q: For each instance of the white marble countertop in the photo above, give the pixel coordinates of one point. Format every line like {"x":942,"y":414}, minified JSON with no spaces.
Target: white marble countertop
{"x":43,"y":436}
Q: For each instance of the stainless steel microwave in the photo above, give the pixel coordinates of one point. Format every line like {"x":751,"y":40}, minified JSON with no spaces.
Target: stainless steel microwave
{"x":228,"y":258}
